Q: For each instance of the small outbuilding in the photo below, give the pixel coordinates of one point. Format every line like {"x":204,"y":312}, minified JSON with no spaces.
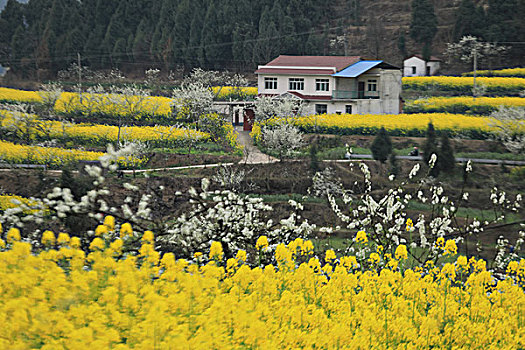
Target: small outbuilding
{"x":416,"y":66}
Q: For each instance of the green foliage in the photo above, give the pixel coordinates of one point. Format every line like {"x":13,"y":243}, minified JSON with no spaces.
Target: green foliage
{"x":430,"y":147}
{"x":381,"y":146}
{"x":423,"y":26}
{"x":393,"y":163}
{"x":446,"y":160}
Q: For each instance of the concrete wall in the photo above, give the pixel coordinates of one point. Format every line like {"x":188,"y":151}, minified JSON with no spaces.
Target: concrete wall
{"x":282,"y":84}
{"x":420,"y":67}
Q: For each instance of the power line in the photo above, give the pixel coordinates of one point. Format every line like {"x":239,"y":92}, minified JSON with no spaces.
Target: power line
{"x":171,"y":50}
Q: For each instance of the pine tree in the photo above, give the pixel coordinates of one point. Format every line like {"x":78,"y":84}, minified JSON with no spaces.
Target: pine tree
{"x":381,"y":146}
{"x":394,"y":166}
{"x":430,"y":147}
{"x":423,"y":26}
{"x":446,"y":160}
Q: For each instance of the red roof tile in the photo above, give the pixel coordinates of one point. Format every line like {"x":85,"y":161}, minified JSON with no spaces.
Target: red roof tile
{"x":339,"y":62}
{"x":287,"y":71}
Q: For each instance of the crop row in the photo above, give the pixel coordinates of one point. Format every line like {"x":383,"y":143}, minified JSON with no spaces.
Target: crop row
{"x":494,"y":86}
{"x":63,"y":298}
{"x":462,"y":104}
{"x":30,"y":127}
{"x":397,"y":125}
{"x":507,"y":72}
{"x":53,"y":156}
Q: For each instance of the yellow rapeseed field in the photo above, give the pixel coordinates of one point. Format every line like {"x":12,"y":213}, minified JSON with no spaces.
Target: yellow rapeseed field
{"x":462,"y":104}
{"x":113,"y":105}
{"x":224,"y":92}
{"x":396,"y":124}
{"x":14,"y":95}
{"x":436,"y":102}
{"x":493,"y":85}
{"x":102,"y":134}
{"x":63,"y":298}
{"x":53,"y":156}
{"x":507,"y":72}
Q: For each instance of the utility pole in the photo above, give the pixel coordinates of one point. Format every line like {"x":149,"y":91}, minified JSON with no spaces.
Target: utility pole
{"x":79,"y":78}
{"x":475,"y":68}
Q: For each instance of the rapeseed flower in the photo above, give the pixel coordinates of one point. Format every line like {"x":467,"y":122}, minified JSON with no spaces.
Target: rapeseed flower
{"x":401,"y":252}
{"x":216,"y":251}
{"x":361,"y":237}
{"x":48,"y":238}
{"x":262,"y":243}
{"x":13,"y":235}
{"x":126,"y":230}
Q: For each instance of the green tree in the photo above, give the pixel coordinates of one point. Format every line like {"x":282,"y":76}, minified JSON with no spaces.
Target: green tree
{"x":381,"y":146}
{"x":430,"y":148}
{"x":446,"y":160}
{"x":394,"y":165}
{"x":423,"y":26}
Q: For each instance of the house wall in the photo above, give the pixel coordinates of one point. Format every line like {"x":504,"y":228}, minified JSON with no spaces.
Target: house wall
{"x":420,"y":67}
{"x":434,"y":67}
{"x":282,"y":84}
{"x":414,"y":62}
{"x":388,"y":85}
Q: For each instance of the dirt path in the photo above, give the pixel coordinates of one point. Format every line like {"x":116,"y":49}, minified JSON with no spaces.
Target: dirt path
{"x":252,"y":155}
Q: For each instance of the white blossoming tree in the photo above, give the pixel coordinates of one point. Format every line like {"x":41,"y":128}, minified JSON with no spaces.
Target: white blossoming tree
{"x":385,"y":218}
{"x":283,"y":138}
{"x":509,"y":123}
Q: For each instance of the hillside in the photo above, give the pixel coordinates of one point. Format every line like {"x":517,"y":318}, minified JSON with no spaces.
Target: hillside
{"x":41,"y":38}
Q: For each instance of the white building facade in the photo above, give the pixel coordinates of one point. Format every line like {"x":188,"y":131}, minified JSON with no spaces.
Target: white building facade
{"x":416,"y":66}
{"x":333,"y":84}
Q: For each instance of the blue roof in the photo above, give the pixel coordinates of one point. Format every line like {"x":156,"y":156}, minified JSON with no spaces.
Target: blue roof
{"x":357,"y":69}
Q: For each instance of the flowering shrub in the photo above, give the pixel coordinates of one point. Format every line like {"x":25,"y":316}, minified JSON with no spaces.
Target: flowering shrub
{"x":61,"y":297}
{"x":496,"y":85}
{"x":462,"y":104}
{"x":396,"y":125}
{"x":10,"y":201}
{"x":507,"y":72}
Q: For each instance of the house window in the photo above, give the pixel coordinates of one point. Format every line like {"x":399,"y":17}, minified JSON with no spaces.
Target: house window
{"x":296,"y":84}
{"x":322,"y":85}
{"x":413,"y":69}
{"x":321,"y":109}
{"x":348,"y":109}
{"x":270,"y":83}
{"x":372,"y":85}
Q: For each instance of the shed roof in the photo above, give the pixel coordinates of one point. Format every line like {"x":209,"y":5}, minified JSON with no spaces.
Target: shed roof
{"x":432,"y":58}
{"x":357,"y":69}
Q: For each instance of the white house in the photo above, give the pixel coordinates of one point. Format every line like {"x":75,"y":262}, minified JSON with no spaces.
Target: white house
{"x":333,"y":84}
{"x":416,"y":66}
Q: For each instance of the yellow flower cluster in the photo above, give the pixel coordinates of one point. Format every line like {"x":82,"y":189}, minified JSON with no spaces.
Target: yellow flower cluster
{"x":446,"y":81}
{"x":62,"y":299}
{"x":13,"y":153}
{"x":103,"y":134}
{"x":507,"y":72}
{"x":14,"y":95}
{"x":225,"y":92}
{"x":8,"y":201}
{"x":400,"y":124}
